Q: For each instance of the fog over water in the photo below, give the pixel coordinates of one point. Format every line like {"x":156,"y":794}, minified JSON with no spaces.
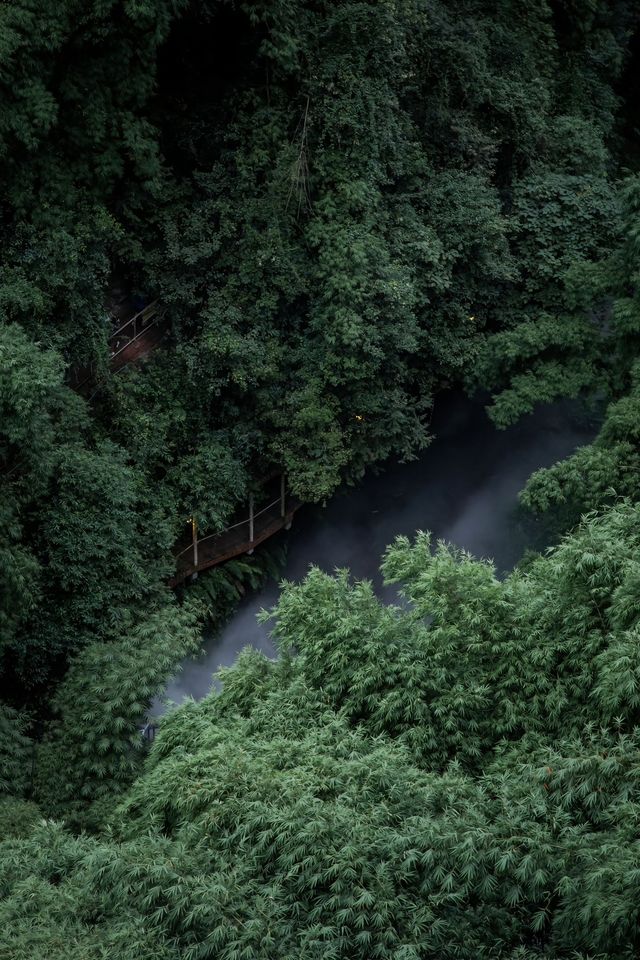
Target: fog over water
{"x":463,"y":488}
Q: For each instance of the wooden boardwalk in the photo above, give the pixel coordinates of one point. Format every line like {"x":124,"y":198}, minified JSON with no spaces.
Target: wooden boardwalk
{"x":241,"y":537}
{"x":133,"y":339}
{"x":138,"y":336}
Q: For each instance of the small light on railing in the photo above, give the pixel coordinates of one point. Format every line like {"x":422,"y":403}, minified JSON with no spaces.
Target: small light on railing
{"x":358,"y":417}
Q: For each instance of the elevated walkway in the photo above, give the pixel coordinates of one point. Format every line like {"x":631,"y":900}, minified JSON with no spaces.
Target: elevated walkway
{"x":250,"y":527}
{"x":135,"y":338}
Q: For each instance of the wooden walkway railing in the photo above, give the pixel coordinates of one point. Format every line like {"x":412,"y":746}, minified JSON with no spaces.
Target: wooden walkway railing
{"x":135,"y":338}
{"x":240,"y":537}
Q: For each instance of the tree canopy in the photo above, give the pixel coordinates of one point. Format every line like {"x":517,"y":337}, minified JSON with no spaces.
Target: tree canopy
{"x":344,"y":208}
{"x":451,"y":779}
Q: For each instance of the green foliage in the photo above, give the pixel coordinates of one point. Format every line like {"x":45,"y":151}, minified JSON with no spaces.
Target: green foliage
{"x":342,"y":206}
{"x":428,"y":689}
{"x":220,"y":588}
{"x":17,"y":817}
{"x":551,"y":347}
{"x":95,"y":748}
{"x":38,"y":416}
{"x":369,"y":198}
{"x":208,"y":483}
{"x":16,"y":752}
{"x":594,"y":475}
{"x":73,"y":140}
{"x":79,"y":541}
{"x":452,"y":778}
{"x":99,"y":548}
{"x":57,"y":888}
{"x":475,"y":659}
{"x":591,"y":342}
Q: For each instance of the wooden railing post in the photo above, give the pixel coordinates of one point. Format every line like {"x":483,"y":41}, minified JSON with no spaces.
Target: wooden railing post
{"x":194,"y":535}
{"x":250,"y":518}
{"x":282,"y":494}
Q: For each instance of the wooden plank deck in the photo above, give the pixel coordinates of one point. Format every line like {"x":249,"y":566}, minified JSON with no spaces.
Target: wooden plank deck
{"x":144,"y":343}
{"x":134,"y":339}
{"x":233,"y":542}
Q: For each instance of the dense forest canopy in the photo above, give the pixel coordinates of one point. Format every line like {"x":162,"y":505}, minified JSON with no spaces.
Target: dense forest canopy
{"x":344,"y":208}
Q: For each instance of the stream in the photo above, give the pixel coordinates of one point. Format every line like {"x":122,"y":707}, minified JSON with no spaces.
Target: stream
{"x":463,"y":488}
